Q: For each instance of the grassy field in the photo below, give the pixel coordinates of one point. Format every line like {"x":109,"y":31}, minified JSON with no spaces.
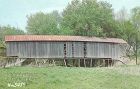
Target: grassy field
{"x":70,"y":78}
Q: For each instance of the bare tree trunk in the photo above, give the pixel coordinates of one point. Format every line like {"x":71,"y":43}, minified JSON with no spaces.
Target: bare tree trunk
{"x":136,"y":54}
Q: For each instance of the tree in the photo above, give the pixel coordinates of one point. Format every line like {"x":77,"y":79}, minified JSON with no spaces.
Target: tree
{"x":136,"y":17}
{"x":89,"y":18}
{"x":125,"y":25}
{"x":57,"y":16}
{"x":8,"y":30}
{"x":130,"y":28}
{"x":41,"y":23}
{"x":122,"y":15}
{"x":136,"y":23}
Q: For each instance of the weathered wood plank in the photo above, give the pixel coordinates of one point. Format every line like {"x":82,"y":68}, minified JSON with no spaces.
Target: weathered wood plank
{"x":56,"y":50}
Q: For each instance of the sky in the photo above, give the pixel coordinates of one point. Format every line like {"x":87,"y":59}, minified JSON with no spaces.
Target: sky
{"x":14,"y":12}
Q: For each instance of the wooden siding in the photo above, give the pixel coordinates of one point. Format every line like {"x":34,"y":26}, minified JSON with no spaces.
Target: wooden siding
{"x":78,"y":49}
{"x":73,"y":50}
{"x":69,"y":49}
{"x":105,"y":50}
{"x":35,"y":49}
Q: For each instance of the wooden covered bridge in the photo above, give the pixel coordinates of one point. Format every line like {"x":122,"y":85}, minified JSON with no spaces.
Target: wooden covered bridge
{"x":85,"y":49}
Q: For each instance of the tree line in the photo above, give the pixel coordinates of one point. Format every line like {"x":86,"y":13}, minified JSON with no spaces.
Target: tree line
{"x":84,"y":18}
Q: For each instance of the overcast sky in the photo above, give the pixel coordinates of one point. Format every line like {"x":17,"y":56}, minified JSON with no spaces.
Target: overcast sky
{"x":14,"y":12}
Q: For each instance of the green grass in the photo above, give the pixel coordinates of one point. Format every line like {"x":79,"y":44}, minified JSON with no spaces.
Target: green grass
{"x":71,"y":78}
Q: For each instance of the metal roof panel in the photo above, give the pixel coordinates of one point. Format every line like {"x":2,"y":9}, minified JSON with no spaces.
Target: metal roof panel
{"x":61,"y":38}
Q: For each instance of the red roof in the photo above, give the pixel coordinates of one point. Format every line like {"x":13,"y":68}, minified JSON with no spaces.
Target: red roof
{"x":61,"y":38}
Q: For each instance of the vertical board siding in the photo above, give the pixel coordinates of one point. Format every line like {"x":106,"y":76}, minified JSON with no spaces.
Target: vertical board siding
{"x":56,"y":50}
{"x":104,"y":50}
{"x":35,"y":49}
{"x":69,"y":49}
{"x":78,"y":49}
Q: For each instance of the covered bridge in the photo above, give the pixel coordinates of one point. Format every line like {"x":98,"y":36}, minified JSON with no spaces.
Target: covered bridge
{"x":64,"y":47}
